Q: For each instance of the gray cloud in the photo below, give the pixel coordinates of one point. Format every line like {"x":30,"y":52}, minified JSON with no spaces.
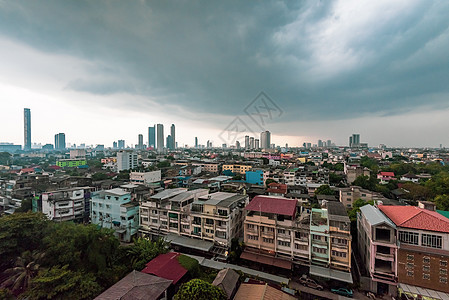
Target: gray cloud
{"x":314,"y":58}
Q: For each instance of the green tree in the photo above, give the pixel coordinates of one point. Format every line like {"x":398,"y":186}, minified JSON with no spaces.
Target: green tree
{"x":366,"y":182}
{"x":20,"y":232}
{"x":62,"y":283}
{"x":335,"y":179}
{"x":99,"y":176}
{"x":25,"y":268}
{"x":268,"y":181}
{"x":324,"y":190}
{"x":5,"y":158}
{"x":197,"y":289}
{"x":442,"y":202}
{"x":352,"y":214}
{"x":237,"y":177}
{"x":145,"y":250}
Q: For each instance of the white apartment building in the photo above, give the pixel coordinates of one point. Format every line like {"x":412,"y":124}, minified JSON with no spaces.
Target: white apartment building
{"x":64,"y":205}
{"x":126,"y":160}
{"x":145,"y":177}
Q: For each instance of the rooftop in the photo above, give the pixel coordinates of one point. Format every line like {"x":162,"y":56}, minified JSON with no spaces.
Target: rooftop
{"x":168,"y":193}
{"x":274,"y":205}
{"x":416,"y":218}
{"x":117,"y":192}
{"x":166,"y":266}
{"x":374,"y":216}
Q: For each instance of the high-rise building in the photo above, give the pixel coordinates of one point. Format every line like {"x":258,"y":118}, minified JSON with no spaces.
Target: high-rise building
{"x":237,"y":144}
{"x":114,"y":145}
{"x":151,"y":137}
{"x":356,"y":139}
{"x":173,"y":136}
{"x":251,"y":143}
{"x":140,"y":141}
{"x":60,"y":141}
{"x":126,"y":160}
{"x":196,"y":142}
{"x":27,"y":129}
{"x":160,"y":137}
{"x":320,"y":143}
{"x":169,"y":142}
{"x":350,"y":141}
{"x":256,"y":144}
{"x":329,"y":143}
{"x":121,"y":144}
{"x":246,"y":142}
{"x":265,"y":140}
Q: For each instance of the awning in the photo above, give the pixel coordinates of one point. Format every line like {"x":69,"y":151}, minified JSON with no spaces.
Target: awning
{"x":426,"y":294}
{"x":268,"y":260}
{"x":189,"y":242}
{"x":331,"y":273}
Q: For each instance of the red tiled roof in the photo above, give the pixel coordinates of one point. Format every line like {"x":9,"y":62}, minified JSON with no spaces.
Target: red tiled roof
{"x":416,"y":218}
{"x":166,"y":266}
{"x":387,"y":174}
{"x":274,"y":205}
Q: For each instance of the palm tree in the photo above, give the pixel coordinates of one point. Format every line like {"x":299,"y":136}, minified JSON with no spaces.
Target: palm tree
{"x":26,"y":267}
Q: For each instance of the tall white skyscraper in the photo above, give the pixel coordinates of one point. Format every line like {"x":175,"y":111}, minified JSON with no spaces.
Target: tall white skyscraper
{"x":246,"y":142}
{"x":160,"y":137}
{"x":265,"y":140}
{"x":27,"y":129}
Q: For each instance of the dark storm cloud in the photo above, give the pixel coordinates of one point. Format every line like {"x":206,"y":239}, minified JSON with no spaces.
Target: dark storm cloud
{"x":312,"y":58}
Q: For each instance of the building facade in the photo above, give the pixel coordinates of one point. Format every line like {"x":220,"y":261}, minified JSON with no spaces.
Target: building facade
{"x":126,"y":160}
{"x":26,"y":129}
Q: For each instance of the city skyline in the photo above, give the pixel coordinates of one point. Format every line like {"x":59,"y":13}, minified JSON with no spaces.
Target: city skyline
{"x":382,"y":73}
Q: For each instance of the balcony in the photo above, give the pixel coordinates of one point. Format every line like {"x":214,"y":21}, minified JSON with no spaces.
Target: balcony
{"x":268,"y":234}
{"x":260,"y":219}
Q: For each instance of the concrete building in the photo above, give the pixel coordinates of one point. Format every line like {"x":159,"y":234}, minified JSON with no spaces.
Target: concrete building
{"x":71,"y":163}
{"x":350,"y":194}
{"x":140,"y":141}
{"x":160,"y":137}
{"x":66,"y":204}
{"x":247,"y":145}
{"x":78,"y":154}
{"x":377,"y":244}
{"x":121,"y":144}
{"x":126,"y":160}
{"x":113,"y":209}
{"x":26,"y":129}
{"x":265,"y":140}
{"x":258,"y":177}
{"x":173,"y":136}
{"x":237,"y":168}
{"x":151,"y":137}
{"x":423,"y":249}
{"x":145,"y":177}
{"x":184,"y":217}
{"x":60,"y":141}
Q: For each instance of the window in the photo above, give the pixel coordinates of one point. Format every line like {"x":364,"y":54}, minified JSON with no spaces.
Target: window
{"x":410,"y":257}
{"x":426,"y":268}
{"x":443,"y":279}
{"x":185,"y":226}
{"x":144,"y":220}
{"x":426,"y":276}
{"x":410,"y":273}
{"x":408,"y":237}
{"x":410,"y":265}
{"x":316,"y":237}
{"x":426,"y":260}
{"x":443,"y":271}
{"x":250,"y":226}
{"x":320,"y":250}
{"x":430,"y":240}
{"x":301,"y":247}
{"x":339,"y":241}
{"x":253,"y":237}
{"x":270,"y":241}
{"x":153,"y":220}
{"x":283,"y":243}
{"x":443,"y":263}
{"x":338,"y":254}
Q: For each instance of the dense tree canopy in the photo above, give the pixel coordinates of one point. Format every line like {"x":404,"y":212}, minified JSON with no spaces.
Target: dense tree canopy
{"x":197,"y":289}
{"x":324,"y":190}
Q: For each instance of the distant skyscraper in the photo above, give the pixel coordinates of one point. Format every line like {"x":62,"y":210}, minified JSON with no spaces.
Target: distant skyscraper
{"x":196,"y":142}
{"x":246,"y":142}
{"x":151,"y":137}
{"x":121,"y":144}
{"x":354,"y":141}
{"x":329,"y":143}
{"x":350,"y":141}
{"x":27,"y":129}
{"x":169,"y":142}
{"x":140,"y":141}
{"x":60,"y":141}
{"x":251,"y":143}
{"x":256,"y":144}
{"x":114,"y":145}
{"x":320,"y":143}
{"x":237,"y":144}
{"x":160,"y":137}
{"x":265,"y":140}
{"x":173,"y":136}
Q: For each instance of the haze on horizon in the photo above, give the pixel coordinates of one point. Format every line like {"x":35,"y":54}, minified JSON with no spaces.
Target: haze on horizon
{"x":102,"y":71}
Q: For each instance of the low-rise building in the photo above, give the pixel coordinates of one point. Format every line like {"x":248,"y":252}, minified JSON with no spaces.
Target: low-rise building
{"x":114,"y":209}
{"x":71,"y":163}
{"x":145,"y":177}
{"x":237,"y":168}
{"x":65,"y":205}
{"x":126,"y":160}
{"x":350,"y":194}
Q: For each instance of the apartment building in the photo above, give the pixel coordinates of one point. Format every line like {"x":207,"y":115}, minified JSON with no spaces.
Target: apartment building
{"x":354,"y":170}
{"x":114,"y":209}
{"x":423,"y":248}
{"x":65,"y":205}
{"x":145,"y":177}
{"x":258,"y":176}
{"x":237,"y":168}
{"x":340,"y":236}
{"x":377,"y":244}
{"x":216,"y":218}
{"x":126,"y":160}
{"x":350,"y":194}
{"x":273,"y":234}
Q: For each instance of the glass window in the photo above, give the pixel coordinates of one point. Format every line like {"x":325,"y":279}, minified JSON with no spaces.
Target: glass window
{"x":408,"y":237}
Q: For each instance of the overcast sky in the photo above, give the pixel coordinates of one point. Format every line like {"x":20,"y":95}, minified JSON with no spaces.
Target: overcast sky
{"x":106,"y":70}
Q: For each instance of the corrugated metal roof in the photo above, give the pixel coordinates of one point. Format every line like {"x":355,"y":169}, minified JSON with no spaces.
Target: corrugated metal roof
{"x":375,"y":216}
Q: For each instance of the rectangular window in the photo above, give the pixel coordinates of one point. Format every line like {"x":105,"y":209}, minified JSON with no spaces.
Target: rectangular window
{"x":443,"y":271}
{"x":270,"y":241}
{"x":410,"y":265}
{"x":430,"y":240}
{"x":426,"y":276}
{"x":443,"y":263}
{"x":410,"y":273}
{"x":426,"y":260}
{"x":426,"y":268}
{"x":408,"y":237}
{"x":410,"y":257}
{"x":283,"y":243}
{"x":443,"y":279}
{"x":253,"y":237}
